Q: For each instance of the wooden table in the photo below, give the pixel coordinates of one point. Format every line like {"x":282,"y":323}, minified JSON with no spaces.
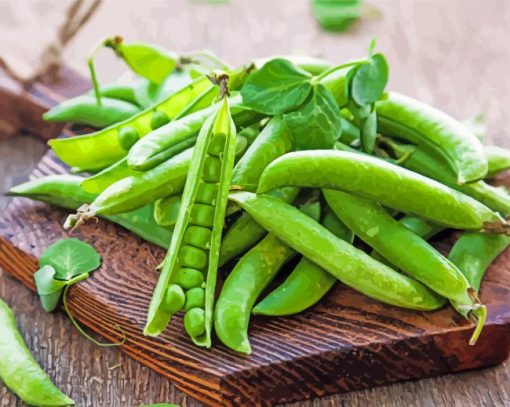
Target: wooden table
{"x":451,"y":54}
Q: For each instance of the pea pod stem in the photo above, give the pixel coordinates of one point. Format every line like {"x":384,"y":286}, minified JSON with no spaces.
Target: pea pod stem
{"x":92,"y":70}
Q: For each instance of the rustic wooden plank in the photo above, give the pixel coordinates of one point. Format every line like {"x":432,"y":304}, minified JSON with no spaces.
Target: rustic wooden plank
{"x":347,"y":342}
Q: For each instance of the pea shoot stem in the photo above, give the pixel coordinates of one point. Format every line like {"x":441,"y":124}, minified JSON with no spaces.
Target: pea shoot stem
{"x":479,"y":314}
{"x":80,"y":329}
{"x":92,"y":69}
{"x":329,"y":71}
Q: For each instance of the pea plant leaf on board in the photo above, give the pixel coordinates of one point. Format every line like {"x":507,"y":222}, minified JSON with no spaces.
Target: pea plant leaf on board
{"x":63,"y":264}
{"x":70,"y":257}
{"x":317,"y":123}
{"x":277,"y":87}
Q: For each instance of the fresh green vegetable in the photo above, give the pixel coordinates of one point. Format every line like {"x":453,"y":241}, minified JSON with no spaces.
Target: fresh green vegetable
{"x":65,"y":191}
{"x":20,"y":371}
{"x":197,"y":236}
{"x":347,"y":263}
{"x":85,"y":110}
{"x":387,"y":183}
{"x":498,"y":159}
{"x":336,"y":15}
{"x":409,"y":119}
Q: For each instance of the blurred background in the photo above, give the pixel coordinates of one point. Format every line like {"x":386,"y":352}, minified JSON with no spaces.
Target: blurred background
{"x":451,"y":54}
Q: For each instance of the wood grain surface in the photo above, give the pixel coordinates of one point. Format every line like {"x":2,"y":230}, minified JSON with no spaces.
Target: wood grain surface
{"x":452,"y":54}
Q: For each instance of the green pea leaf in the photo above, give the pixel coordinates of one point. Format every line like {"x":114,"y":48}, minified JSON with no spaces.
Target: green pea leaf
{"x":149,"y":61}
{"x":316,"y":124}
{"x":370,"y":80}
{"x":277,"y":87}
{"x":48,"y":288}
{"x":70,"y":258}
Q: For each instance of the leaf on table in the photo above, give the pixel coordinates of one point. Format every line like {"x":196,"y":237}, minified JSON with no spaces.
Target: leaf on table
{"x":316,"y":124}
{"x":277,"y":87}
{"x":70,"y":258}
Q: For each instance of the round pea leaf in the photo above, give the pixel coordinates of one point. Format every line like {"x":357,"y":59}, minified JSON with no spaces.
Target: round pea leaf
{"x":370,"y":80}
{"x":277,"y":87}
{"x":70,"y":258}
{"x":318,"y":123}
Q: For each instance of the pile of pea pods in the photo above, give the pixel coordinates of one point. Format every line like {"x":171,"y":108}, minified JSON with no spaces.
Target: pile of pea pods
{"x":286,"y":163}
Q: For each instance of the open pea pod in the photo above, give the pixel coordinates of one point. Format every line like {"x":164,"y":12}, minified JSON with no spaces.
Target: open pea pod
{"x":103,"y":148}
{"x":188,"y":278}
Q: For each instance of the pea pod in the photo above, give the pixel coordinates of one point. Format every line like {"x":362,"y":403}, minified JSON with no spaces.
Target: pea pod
{"x":120,"y":92}
{"x":20,"y":371}
{"x":137,"y":190}
{"x":474,"y":252}
{"x":307,"y":284}
{"x":407,"y":118}
{"x":195,"y":245}
{"x":65,"y":191}
{"x":498,"y":159}
{"x":406,"y":250}
{"x":274,"y":141}
{"x":143,"y":153}
{"x":373,"y":178}
{"x":432,"y":166}
{"x":147,"y":60}
{"x":246,"y":232}
{"x":166,"y":210}
{"x":252,"y":273}
{"x":350,"y":265}
{"x":85,"y":110}
{"x":102,"y":148}
{"x":97,"y":183}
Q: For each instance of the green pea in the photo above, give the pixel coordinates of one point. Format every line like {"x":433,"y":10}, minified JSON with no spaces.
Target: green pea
{"x":207,"y":193}
{"x":198,"y":236}
{"x":217,"y":145}
{"x":212,"y":169}
{"x":174,"y":299}
{"x":128,"y":136}
{"x":193,"y":257}
{"x":195,"y":298}
{"x":188,"y":278}
{"x":194,"y":322}
{"x":159,"y":119}
{"x":202,"y":215}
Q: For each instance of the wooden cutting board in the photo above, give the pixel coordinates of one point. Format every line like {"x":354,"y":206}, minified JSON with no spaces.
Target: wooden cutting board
{"x":346,"y":342}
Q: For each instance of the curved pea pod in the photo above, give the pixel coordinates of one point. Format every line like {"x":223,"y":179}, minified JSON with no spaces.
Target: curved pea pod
{"x":65,"y":191}
{"x":166,"y":210}
{"x":474,"y":252}
{"x":148,"y":93}
{"x":307,"y":284}
{"x":274,"y":141}
{"x":245,"y":232}
{"x":85,"y":110}
{"x":20,"y":371}
{"x":120,"y":92}
{"x":103,"y":148}
{"x":97,"y":183}
{"x":149,"y":61}
{"x":252,"y":273}
{"x":143,"y":153}
{"x":432,"y":166}
{"x":137,"y":190}
{"x":409,"y":119}
{"x":376,"y":179}
{"x":350,"y":265}
{"x":196,"y":240}
{"x":498,"y":159}
{"x":406,"y":250}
